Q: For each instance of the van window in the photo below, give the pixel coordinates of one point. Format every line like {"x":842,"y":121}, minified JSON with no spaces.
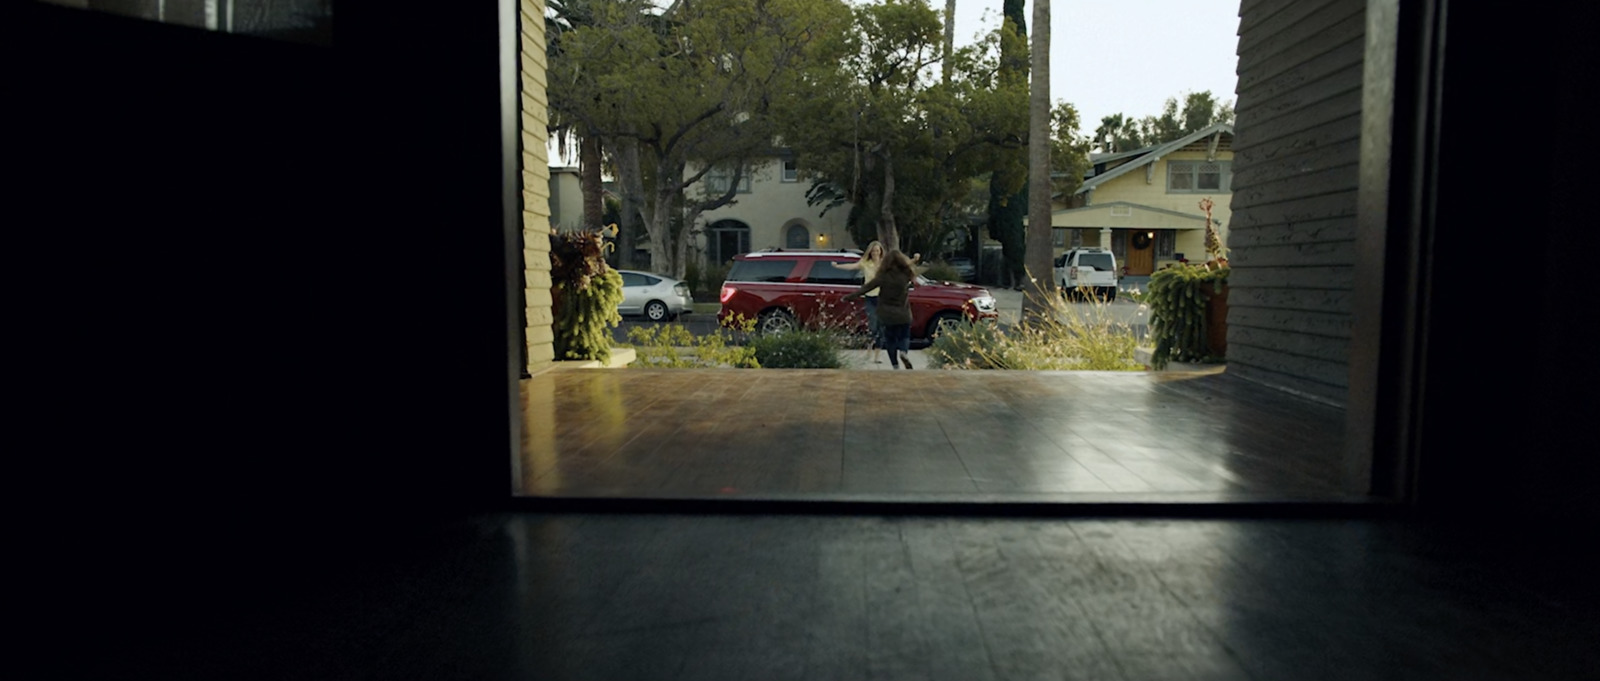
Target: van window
{"x":764,"y":269}
{"x":824,"y":273}
{"x":1096,"y":261}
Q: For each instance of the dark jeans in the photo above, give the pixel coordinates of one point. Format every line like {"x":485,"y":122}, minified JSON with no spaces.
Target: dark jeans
{"x":872,"y":321}
{"x":897,"y":337}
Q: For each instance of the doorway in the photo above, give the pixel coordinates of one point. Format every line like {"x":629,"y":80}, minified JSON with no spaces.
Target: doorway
{"x":1141,"y":252}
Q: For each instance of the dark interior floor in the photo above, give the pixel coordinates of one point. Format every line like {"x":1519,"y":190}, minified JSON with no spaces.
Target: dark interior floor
{"x":1050,"y":436}
{"x":515,"y":596}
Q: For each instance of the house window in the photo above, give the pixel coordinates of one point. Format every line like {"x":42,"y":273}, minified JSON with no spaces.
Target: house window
{"x":1166,"y":243}
{"x":1198,"y":176}
{"x":791,"y":170}
{"x":717,"y":181}
{"x":1058,"y":237}
{"x":1077,"y":238}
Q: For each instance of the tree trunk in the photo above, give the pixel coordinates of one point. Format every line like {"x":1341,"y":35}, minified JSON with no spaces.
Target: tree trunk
{"x":589,"y":170}
{"x":669,"y":248}
{"x":663,"y":247}
{"x":887,"y":232}
{"x":630,"y":182}
{"x":1039,"y":283}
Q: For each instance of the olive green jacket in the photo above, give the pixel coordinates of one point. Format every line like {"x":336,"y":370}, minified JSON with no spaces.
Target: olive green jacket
{"x":894,"y":292}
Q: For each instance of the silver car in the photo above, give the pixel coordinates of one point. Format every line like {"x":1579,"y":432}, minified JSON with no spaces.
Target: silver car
{"x":656,"y":297}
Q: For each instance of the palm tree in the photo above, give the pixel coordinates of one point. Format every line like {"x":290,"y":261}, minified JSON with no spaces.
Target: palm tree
{"x":1107,"y":135}
{"x":949,"y":35}
{"x":1039,"y":283}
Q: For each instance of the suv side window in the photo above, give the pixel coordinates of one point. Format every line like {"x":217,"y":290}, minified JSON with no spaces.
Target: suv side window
{"x":822,"y":272}
{"x":763,"y":269}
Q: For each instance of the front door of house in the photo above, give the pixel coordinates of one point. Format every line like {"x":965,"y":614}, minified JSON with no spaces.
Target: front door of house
{"x":1140,"y":259}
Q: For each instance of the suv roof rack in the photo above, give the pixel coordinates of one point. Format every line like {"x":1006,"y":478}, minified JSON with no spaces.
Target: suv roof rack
{"x":810,"y":251}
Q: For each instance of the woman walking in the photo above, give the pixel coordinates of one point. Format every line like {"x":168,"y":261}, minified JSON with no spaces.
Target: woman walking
{"x":892,"y":283}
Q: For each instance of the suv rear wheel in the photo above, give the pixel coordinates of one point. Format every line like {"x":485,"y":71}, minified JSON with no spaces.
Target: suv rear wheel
{"x":775,"y":321}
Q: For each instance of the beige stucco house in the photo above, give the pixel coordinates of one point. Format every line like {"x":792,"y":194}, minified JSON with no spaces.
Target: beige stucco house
{"x":1144,"y":203}
{"x":566,"y":199}
{"x":769,"y":211}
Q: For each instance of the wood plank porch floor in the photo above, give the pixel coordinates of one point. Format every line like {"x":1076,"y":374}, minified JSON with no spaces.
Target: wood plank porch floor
{"x":924,"y":435}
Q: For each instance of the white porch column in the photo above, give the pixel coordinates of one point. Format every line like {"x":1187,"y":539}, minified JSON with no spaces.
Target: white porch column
{"x":1105,"y":238}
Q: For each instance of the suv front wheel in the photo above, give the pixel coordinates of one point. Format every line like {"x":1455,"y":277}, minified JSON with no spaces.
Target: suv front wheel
{"x":775,"y":321}
{"x":942,"y":321}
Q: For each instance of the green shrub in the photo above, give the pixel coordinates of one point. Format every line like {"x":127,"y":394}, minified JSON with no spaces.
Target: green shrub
{"x":968,"y":346}
{"x":798,"y":349}
{"x":939,"y":270}
{"x":1178,"y":312}
{"x":1083,"y":337}
{"x":671,"y":346}
{"x":705,"y":281}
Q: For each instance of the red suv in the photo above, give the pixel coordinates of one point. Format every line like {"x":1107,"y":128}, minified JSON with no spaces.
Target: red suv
{"x":782,"y":289}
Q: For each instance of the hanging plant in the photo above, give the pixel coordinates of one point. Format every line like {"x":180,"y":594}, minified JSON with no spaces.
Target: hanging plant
{"x":585,"y":295}
{"x":1178,"y":298}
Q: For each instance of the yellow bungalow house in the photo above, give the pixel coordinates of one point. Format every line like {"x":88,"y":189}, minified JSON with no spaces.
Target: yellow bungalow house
{"x":1145,"y":203}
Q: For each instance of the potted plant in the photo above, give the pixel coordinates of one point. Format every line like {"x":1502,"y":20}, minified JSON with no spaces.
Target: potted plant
{"x":584,"y":295}
{"x":1189,"y":305}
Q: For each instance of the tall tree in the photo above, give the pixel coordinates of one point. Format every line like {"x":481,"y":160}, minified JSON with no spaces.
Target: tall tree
{"x":1069,"y":151}
{"x":1197,"y":110}
{"x":949,"y":36}
{"x":1039,"y":283}
{"x":896,"y":141}
{"x":697,"y":87}
{"x":1008,"y":188}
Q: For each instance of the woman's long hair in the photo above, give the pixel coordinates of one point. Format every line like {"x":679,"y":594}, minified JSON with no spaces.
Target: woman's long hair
{"x":867,"y":255}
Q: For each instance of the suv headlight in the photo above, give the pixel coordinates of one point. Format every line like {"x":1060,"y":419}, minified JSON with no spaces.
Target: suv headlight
{"x":983,"y":303}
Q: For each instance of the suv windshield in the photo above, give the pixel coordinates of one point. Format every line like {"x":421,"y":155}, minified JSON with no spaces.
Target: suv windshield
{"x":764,"y":269}
{"x":1097,"y":261}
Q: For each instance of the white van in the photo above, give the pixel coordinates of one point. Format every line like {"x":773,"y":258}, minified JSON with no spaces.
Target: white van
{"x":1092,"y":270}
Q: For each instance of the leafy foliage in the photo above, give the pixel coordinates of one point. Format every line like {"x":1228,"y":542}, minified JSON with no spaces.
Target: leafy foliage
{"x":672,"y":346}
{"x":1178,"y":317}
{"x":699,"y":85}
{"x":887,"y":124}
{"x":586,"y":294}
{"x":1119,"y":132}
{"x":941,"y":271}
{"x":797,"y":349}
{"x":705,"y":281}
{"x":1071,"y":337}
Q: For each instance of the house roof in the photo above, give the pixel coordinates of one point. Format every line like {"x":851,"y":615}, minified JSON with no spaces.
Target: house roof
{"x":1097,"y":159}
{"x":1151,"y":155}
{"x":1140,"y":206}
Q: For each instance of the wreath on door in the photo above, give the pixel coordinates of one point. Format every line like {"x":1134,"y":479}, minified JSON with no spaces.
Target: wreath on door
{"x":1141,"y":240}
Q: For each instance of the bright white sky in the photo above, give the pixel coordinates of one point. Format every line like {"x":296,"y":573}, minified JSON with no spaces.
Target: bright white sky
{"x":1126,"y":56}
